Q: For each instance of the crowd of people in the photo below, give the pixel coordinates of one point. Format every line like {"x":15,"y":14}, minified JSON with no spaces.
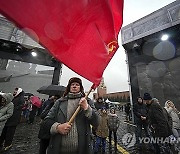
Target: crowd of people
{"x":94,"y":124}
{"x":162,"y":124}
{"x":16,"y":108}
{"x":56,"y":134}
{"x":11,"y":109}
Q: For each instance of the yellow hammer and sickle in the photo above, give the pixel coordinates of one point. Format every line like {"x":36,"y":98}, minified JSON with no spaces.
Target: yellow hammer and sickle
{"x":111,"y":46}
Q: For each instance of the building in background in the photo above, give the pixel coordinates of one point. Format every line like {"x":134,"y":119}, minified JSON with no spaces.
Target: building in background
{"x":152,"y":45}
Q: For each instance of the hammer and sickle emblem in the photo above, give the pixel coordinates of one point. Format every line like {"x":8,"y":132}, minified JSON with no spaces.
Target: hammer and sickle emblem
{"x":111,"y":46}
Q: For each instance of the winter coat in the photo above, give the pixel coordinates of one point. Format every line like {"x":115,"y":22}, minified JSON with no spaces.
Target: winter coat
{"x":102,"y":129}
{"x":127,"y":108}
{"x":6,"y":110}
{"x":140,"y":110}
{"x":174,"y":116}
{"x":158,"y":120}
{"x":113,"y":122}
{"x":175,"y":119}
{"x":168,"y":117}
{"x":46,"y":103}
{"x":42,"y":134}
{"x":58,"y":113}
{"x":18,"y":102}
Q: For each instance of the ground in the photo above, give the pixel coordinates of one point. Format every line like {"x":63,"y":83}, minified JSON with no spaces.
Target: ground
{"x":26,"y":139}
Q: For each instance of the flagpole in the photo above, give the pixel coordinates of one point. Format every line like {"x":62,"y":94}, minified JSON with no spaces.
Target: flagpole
{"x":78,"y":109}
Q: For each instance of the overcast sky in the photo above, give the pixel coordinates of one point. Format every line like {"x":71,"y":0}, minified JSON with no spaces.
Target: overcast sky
{"x":116,"y":74}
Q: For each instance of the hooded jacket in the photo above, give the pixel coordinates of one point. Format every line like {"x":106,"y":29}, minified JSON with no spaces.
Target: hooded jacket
{"x":6,"y":110}
{"x":174,"y":116}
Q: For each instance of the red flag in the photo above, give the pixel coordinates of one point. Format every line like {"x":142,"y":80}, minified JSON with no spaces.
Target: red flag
{"x":82,"y":34}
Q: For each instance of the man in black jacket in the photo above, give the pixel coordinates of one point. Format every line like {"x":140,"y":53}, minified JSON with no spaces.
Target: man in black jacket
{"x":159,"y":124}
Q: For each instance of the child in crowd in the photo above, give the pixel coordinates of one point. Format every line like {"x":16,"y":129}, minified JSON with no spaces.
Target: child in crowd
{"x":102,"y":131}
{"x":113,"y":124}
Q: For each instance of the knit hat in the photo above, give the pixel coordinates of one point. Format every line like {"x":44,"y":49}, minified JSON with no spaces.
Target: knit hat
{"x":103,"y":108}
{"x":147,"y":96}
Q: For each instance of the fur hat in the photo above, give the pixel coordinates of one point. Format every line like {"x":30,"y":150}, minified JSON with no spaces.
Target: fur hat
{"x":75,"y":79}
{"x":147,"y":96}
{"x":72,"y":80}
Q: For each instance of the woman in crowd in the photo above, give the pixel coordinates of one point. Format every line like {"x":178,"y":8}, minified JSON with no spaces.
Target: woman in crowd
{"x":173,"y":112}
{"x":140,"y":115}
{"x":9,"y":129}
{"x":6,"y":108}
{"x":171,"y":109}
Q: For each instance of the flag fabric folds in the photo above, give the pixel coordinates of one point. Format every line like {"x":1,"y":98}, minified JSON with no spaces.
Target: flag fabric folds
{"x":82,"y":34}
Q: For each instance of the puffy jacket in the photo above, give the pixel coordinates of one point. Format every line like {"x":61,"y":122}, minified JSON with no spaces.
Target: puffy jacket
{"x":6,"y":110}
